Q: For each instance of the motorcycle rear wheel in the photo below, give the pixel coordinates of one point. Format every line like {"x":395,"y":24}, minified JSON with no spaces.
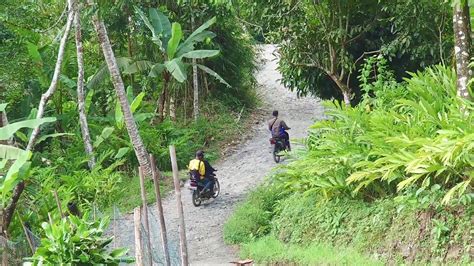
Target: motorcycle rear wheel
{"x":276,"y":150}
{"x":196,"y":198}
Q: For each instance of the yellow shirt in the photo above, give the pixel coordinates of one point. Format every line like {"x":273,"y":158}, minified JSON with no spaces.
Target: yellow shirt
{"x":196,"y":164}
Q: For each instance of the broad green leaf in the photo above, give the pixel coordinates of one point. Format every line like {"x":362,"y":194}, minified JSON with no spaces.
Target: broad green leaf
{"x":33,"y":52}
{"x":142,"y":117}
{"x":214,"y":74}
{"x":43,"y":138}
{"x":160,"y":23}
{"x":103,"y":72}
{"x":121,"y":152}
{"x":106,"y":132}
{"x":176,"y":35}
{"x":203,"y":27}
{"x":67,"y":81}
{"x":21,"y":136}
{"x":88,"y":100}
{"x":156,"y":70}
{"x":188,"y":44}
{"x":13,"y":173}
{"x":138,"y":66}
{"x":199,"y":54}
{"x":3,"y":106}
{"x":137,"y":101}
{"x":146,"y":21}
{"x":176,"y":68}
{"x":7,"y":132}
{"x":10,"y":152}
{"x":118,"y":115}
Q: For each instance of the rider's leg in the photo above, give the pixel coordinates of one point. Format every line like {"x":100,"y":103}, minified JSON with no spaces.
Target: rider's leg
{"x":208,"y":184}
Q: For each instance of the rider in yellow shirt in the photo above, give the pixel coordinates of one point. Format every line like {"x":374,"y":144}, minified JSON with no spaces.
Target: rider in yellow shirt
{"x":198,"y":165}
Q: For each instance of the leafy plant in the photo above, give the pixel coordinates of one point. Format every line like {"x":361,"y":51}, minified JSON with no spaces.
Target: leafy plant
{"x":78,"y":241}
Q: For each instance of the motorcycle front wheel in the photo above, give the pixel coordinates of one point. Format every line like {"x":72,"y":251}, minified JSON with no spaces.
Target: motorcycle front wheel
{"x":217,"y":189}
{"x":196,"y":198}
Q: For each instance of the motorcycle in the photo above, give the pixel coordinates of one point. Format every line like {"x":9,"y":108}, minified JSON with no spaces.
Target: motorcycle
{"x":279,"y":146}
{"x":199,"y":195}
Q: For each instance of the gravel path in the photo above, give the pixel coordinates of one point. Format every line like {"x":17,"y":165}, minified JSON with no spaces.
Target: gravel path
{"x":238,"y":173}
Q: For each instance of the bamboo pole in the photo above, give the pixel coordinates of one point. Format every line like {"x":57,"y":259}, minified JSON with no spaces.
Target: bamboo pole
{"x":164,"y":239}
{"x":182,"y":230}
{"x":145,"y":211}
{"x":138,"y":236}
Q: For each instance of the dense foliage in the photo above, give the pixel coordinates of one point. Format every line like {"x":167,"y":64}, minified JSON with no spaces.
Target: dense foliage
{"x":322,"y":43}
{"x":410,"y":135}
{"x":29,"y":36}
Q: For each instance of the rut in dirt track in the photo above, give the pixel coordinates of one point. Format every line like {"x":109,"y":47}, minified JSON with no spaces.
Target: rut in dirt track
{"x":238,"y":174}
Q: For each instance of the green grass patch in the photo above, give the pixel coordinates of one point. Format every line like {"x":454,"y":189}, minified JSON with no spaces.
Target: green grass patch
{"x":271,"y":250}
{"x":252,"y":219}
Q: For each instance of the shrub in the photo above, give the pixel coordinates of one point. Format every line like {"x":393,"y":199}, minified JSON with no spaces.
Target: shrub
{"x":252,"y":219}
{"x":77,"y":241}
{"x":388,"y":144}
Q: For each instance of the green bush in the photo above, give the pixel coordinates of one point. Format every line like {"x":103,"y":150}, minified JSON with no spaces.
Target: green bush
{"x":76,"y":241}
{"x":417,"y":134}
{"x":252,"y":219}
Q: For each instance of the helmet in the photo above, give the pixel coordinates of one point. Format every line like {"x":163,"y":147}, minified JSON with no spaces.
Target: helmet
{"x":200,"y":154}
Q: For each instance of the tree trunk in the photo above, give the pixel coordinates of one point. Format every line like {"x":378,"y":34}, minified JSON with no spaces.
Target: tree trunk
{"x":462,"y":48}
{"x":117,"y":81}
{"x":54,"y":82}
{"x":172,"y":106}
{"x":345,"y":90}
{"x":160,"y":103}
{"x":10,"y":209}
{"x":195,"y":82}
{"x":80,"y":89}
{"x":166,"y":107}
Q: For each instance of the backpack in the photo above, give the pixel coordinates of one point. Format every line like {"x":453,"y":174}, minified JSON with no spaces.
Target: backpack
{"x":194,"y":175}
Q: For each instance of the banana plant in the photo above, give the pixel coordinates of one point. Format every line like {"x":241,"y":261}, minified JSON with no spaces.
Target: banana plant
{"x":169,"y":39}
{"x":14,"y":159}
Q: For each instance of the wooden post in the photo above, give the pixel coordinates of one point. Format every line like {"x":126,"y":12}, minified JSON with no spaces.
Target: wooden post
{"x":164,"y":239}
{"x":55,"y":192}
{"x":145,"y":212}
{"x":182,"y":230}
{"x":138,"y":236}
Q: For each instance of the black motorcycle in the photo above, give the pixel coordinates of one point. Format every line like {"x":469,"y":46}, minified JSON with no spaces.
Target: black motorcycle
{"x":200,"y":195}
{"x":279,"y":145}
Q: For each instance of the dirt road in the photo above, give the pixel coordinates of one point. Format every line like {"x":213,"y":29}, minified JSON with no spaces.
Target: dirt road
{"x":238,"y":174}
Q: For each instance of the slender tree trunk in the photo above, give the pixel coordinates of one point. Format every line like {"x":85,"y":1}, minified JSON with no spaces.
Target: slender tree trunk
{"x":54,"y":82}
{"x":166,"y":112}
{"x":80,"y":89}
{"x":160,"y":103}
{"x":10,"y":209}
{"x":195,"y":82}
{"x":172,"y":104}
{"x":138,"y":146}
{"x":345,"y":90}
{"x":462,"y":48}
